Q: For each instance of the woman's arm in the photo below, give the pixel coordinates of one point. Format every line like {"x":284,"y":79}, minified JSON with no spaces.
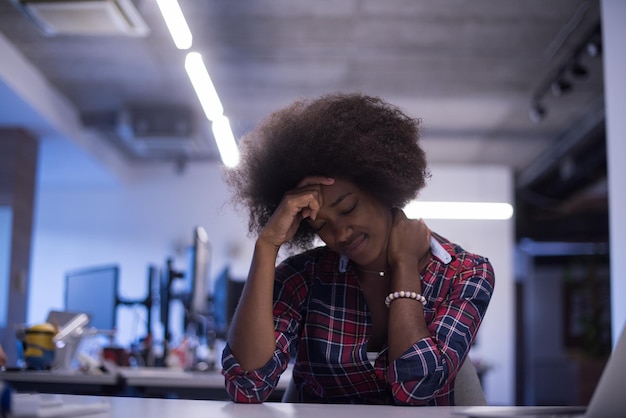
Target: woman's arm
{"x":422,"y":371}
{"x":408,"y":249}
{"x":251,"y":336}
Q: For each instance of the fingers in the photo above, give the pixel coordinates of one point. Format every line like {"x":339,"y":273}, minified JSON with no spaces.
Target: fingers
{"x":312,"y":201}
{"x":315,"y":180}
{"x":409,"y":240}
{"x":302,"y":202}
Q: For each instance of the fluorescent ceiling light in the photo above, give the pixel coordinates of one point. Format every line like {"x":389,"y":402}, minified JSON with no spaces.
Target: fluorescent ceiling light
{"x":176,"y":23}
{"x":225,"y":140}
{"x":203,"y":86}
{"x":459,"y":210}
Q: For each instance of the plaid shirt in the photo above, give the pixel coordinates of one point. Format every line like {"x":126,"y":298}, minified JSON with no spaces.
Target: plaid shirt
{"x":321,"y":318}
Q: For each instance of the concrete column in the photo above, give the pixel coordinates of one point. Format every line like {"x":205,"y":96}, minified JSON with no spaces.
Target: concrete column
{"x":18,"y":167}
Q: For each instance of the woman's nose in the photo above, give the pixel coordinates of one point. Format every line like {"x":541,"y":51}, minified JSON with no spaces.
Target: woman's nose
{"x":341,"y":232}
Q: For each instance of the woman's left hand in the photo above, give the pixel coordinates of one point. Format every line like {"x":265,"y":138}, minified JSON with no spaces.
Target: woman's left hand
{"x":409,"y":241}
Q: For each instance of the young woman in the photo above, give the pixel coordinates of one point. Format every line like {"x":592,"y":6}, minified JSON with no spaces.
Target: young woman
{"x":386,"y":311}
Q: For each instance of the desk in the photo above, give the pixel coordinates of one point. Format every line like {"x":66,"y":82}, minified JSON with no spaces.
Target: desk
{"x":127,"y":381}
{"x":70,"y":382}
{"x":185,"y":384}
{"x":175,"y":408}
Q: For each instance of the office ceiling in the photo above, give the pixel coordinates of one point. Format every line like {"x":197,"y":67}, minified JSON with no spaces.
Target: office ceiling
{"x":469,"y":69}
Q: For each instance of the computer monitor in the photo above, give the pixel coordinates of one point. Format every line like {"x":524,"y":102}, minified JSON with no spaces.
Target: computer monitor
{"x":200,"y":259}
{"x":93,"y":291}
{"x":235,"y":289}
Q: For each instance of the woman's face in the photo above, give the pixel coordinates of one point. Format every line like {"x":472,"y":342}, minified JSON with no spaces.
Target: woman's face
{"x":354,"y":223}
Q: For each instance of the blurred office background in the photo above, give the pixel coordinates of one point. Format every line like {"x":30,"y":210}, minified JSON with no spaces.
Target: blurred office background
{"x":107,"y":156}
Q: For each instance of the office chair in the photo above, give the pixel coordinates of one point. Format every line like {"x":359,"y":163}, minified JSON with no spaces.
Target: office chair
{"x":467,"y":388}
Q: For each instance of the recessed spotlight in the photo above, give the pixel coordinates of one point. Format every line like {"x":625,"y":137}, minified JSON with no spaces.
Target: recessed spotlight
{"x":593,"y":48}
{"x":560,"y":87}
{"x":536,"y":113}
{"x":578,"y":70}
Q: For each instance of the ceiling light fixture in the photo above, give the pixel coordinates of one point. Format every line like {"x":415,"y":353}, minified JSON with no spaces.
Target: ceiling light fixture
{"x":536,"y":113}
{"x":203,"y":85}
{"x":176,"y":23}
{"x":560,"y":87}
{"x":593,"y":48}
{"x":213,"y":109}
{"x":225,"y":140}
{"x":459,"y":210}
{"x":579,"y":71}
{"x":571,"y":67}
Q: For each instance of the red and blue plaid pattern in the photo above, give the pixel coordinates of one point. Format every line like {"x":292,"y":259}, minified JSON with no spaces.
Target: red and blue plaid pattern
{"x":322,"y":322}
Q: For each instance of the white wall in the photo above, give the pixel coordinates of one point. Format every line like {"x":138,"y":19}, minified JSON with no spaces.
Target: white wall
{"x":613,"y":35}
{"x":153,"y":216}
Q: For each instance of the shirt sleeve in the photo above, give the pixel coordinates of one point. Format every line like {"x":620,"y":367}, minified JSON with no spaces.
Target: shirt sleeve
{"x":423,"y":371}
{"x":257,"y":385}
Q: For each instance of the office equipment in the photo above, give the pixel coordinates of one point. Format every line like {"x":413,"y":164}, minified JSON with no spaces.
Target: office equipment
{"x":71,"y":331}
{"x":93,"y":291}
{"x":197,"y":319}
{"x":166,"y":296}
{"x":219,"y":301}
{"x":226,"y":293}
{"x":608,"y":398}
{"x":147,"y":302}
{"x":199,"y":271}
{"x":235,"y":288}
{"x":50,"y":406}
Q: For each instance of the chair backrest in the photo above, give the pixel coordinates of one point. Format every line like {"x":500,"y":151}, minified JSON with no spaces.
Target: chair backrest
{"x":291,"y":393}
{"x":467,"y":388}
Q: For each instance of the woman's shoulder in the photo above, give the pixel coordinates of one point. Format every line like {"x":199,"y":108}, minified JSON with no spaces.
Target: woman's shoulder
{"x":460,"y":255}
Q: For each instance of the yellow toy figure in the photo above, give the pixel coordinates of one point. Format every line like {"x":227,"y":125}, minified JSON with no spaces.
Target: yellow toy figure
{"x":40,"y":347}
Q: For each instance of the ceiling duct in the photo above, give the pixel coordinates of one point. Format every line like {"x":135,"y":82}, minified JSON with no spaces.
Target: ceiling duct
{"x":160,"y":133}
{"x":85,"y":17}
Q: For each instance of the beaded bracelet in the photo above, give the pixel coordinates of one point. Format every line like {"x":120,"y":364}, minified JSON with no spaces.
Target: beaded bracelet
{"x":404,"y":294}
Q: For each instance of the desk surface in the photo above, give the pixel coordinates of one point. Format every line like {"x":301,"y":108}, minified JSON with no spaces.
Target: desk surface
{"x":73,"y":377}
{"x":150,"y":382}
{"x":149,"y":377}
{"x":124,"y":407}
{"x":155,"y":377}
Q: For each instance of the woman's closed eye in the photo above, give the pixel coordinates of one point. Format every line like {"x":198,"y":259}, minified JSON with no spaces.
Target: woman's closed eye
{"x":349,"y":210}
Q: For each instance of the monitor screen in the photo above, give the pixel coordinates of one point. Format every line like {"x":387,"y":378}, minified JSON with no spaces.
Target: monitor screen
{"x":199,"y":271}
{"x":93,"y":291}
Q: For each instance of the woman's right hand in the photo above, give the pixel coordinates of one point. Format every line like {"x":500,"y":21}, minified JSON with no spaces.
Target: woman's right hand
{"x":297,"y":204}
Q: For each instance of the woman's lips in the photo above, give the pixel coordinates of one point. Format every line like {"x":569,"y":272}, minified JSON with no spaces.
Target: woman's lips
{"x":354,"y":246}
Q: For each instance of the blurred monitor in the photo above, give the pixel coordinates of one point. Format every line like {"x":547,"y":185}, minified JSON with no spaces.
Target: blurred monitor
{"x":200,"y":258}
{"x":233,"y":292}
{"x":220,"y":296}
{"x":93,"y":291}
